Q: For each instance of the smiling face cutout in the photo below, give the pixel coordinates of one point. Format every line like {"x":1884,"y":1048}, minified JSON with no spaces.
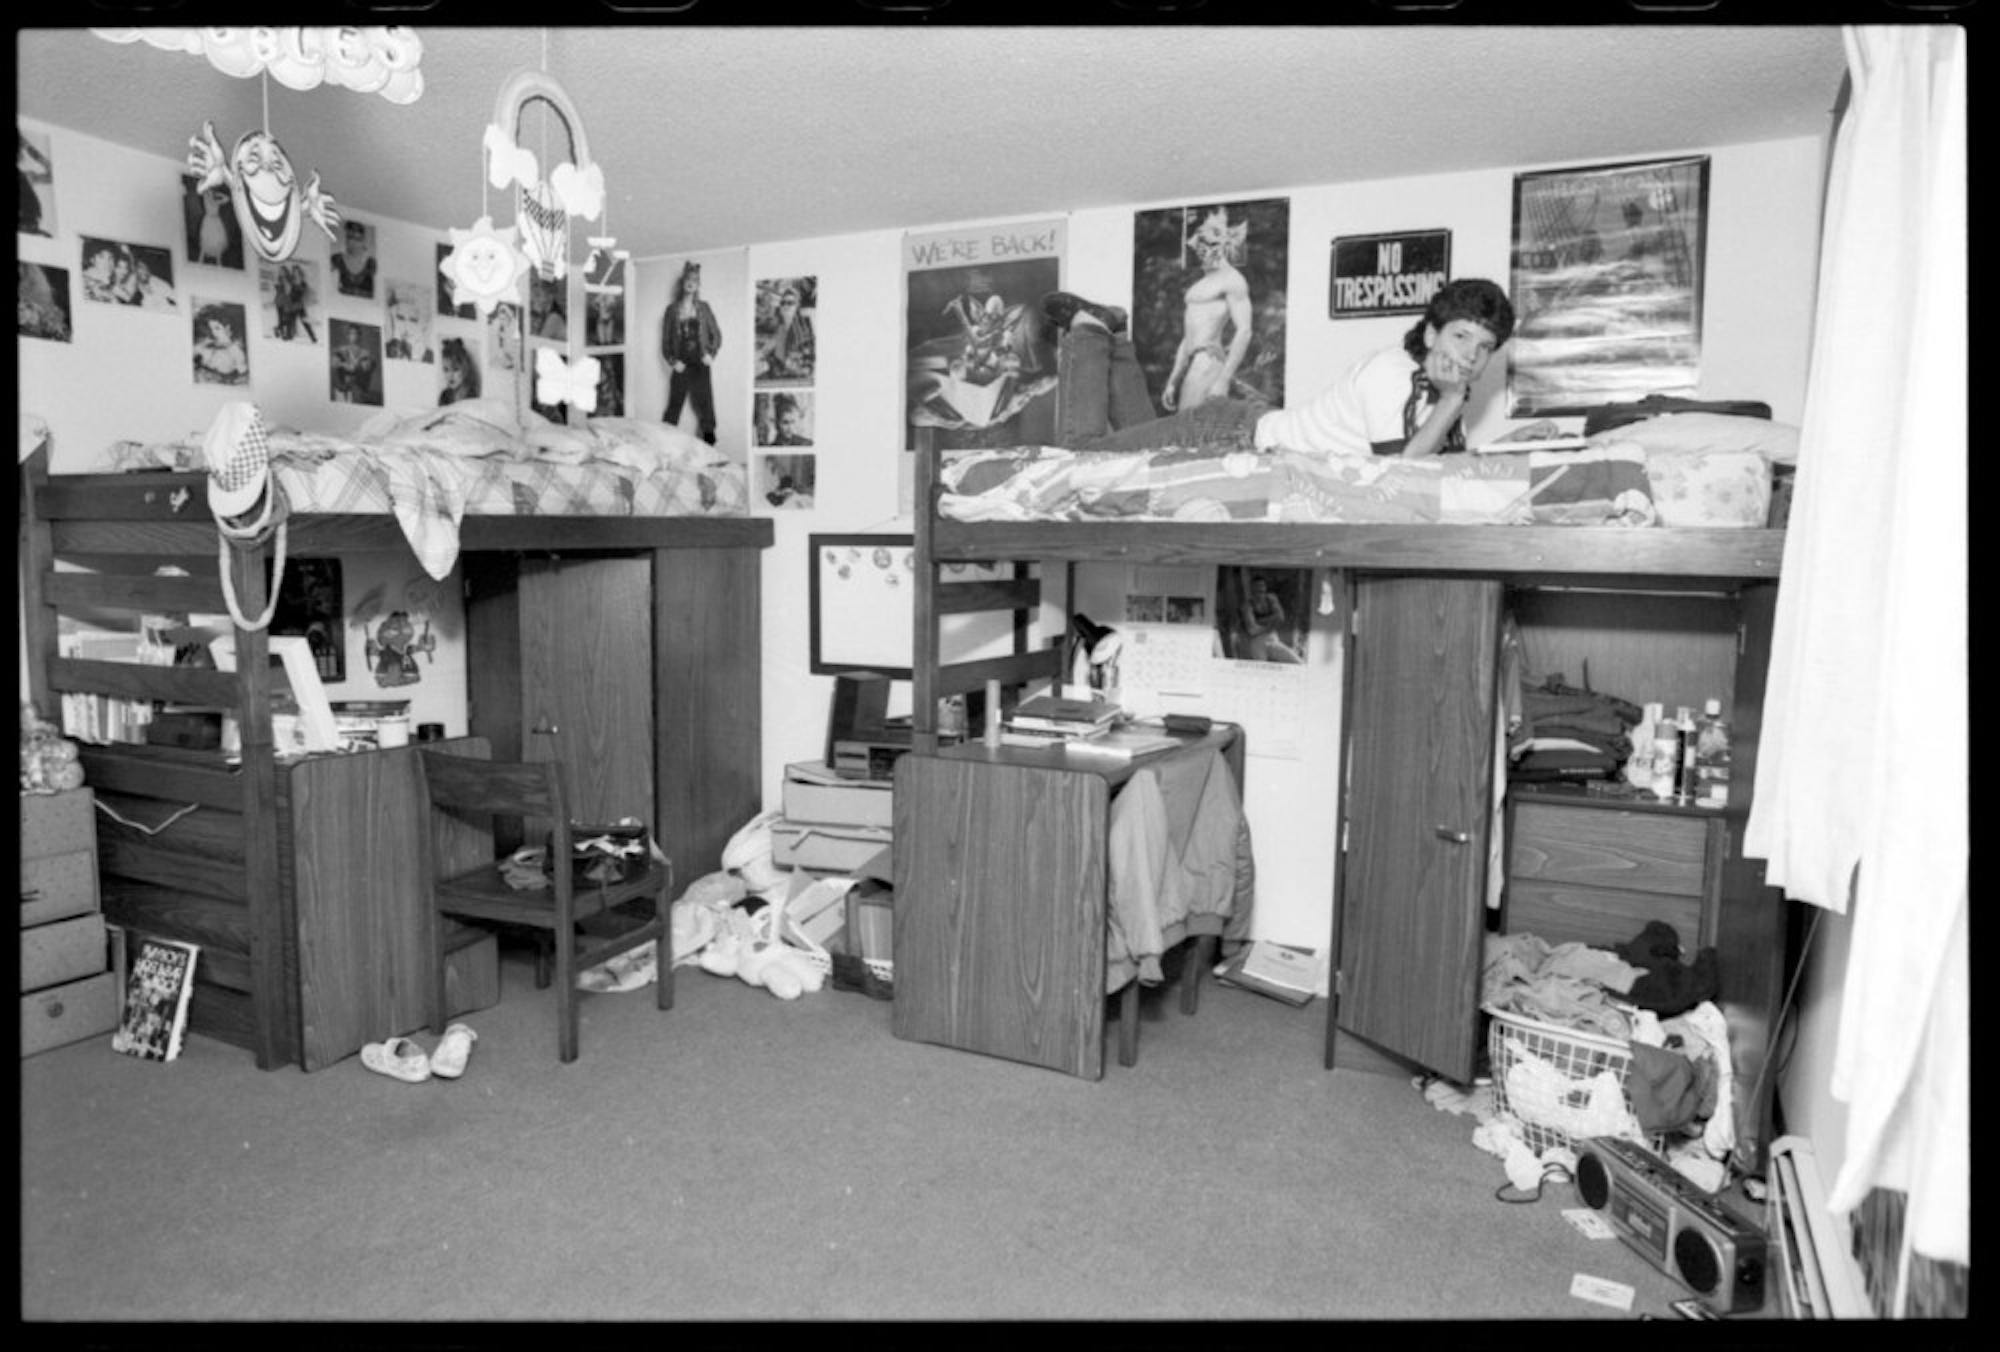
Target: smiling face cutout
{"x":265,"y":188}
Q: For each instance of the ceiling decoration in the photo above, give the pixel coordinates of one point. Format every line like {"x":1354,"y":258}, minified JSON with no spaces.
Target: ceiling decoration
{"x":367,"y":60}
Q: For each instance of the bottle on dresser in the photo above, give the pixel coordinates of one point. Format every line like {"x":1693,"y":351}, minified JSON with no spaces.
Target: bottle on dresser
{"x":1684,"y":776}
{"x":1711,"y":757}
{"x":1666,"y":759}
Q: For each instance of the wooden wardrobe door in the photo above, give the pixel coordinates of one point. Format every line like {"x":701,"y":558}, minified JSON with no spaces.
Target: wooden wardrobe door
{"x":587,"y":670}
{"x":1419,"y":801}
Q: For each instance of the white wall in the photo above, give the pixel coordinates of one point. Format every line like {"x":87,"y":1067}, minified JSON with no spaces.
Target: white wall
{"x":127,"y":376}
{"x":1762,"y":246}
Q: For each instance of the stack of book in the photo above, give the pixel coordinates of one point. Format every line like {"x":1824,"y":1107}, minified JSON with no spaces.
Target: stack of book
{"x":830,"y":823}
{"x":1052,"y":720}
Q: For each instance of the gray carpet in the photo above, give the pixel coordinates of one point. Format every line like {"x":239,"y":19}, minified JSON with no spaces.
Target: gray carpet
{"x":745,"y":1158}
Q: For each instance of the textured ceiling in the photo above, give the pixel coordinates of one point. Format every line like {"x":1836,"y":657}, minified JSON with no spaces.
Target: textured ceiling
{"x":716,"y":136}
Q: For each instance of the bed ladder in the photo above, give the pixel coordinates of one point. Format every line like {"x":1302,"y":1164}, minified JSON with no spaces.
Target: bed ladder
{"x":933,"y":679}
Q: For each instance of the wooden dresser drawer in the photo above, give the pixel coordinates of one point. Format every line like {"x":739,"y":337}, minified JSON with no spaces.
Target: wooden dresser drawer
{"x":56,"y":823}
{"x":1599,"y":848}
{"x":1564,"y":914}
{"x":58,"y":886}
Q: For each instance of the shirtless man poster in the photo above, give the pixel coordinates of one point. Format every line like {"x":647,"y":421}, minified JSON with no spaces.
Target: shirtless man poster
{"x":1208,"y":292}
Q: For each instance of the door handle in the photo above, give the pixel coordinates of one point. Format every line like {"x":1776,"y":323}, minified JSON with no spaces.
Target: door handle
{"x":1447,"y":833}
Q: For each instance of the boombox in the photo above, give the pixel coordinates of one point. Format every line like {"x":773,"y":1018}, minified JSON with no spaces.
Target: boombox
{"x":1686,"y":1233}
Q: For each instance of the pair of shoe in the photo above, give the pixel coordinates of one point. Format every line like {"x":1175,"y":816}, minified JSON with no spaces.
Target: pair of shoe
{"x":1060,"y":307}
{"x":401,"y":1058}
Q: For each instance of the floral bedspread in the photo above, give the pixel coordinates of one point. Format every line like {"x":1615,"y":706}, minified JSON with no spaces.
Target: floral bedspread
{"x":431,"y":470}
{"x":1612,"y":483}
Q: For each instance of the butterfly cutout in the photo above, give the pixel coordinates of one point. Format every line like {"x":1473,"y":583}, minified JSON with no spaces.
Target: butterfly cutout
{"x":559,"y":381}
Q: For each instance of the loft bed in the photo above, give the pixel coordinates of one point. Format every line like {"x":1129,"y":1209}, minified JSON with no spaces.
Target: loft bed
{"x":1435,"y":548}
{"x":1592,"y":517}
{"x":226,"y":875}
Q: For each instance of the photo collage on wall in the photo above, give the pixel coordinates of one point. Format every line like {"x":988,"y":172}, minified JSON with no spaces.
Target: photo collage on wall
{"x":42,"y":299}
{"x":605,"y":277}
{"x":460,"y":340}
{"x":782,"y":401}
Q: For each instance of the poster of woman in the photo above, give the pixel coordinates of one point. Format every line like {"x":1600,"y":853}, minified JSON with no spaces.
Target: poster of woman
{"x":221,"y":355}
{"x":41,"y":305}
{"x":787,"y":342}
{"x":214,"y":235}
{"x":38,"y":183}
{"x":408,"y":305}
{"x":1209,"y":301}
{"x":290,"y":292}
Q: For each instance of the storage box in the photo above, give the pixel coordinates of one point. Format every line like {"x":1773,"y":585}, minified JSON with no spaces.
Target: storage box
{"x":58,"y":886}
{"x":70,"y":1013}
{"x":56,"y":823}
{"x":63,"y":951}
{"x":837,"y":849}
{"x":813,"y":792}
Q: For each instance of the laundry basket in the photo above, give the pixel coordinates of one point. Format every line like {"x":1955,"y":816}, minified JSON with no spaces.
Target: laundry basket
{"x":1541,"y":1104}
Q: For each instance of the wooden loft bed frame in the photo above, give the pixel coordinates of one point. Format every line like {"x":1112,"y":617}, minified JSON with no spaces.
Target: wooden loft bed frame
{"x":1738,"y":569}
{"x":705,"y":712}
{"x":1608,"y":556}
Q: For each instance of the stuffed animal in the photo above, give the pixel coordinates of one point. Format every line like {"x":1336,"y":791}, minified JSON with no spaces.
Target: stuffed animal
{"x":49,"y":761}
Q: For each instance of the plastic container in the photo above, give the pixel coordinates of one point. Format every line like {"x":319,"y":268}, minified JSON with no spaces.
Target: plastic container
{"x":1711,"y":757}
{"x":1666,"y":761}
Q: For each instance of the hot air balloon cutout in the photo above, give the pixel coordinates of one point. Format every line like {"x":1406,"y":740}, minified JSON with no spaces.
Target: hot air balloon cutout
{"x":487,"y":265}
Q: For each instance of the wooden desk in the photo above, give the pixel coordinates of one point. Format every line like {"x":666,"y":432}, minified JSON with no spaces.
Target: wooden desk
{"x":1000,"y":886}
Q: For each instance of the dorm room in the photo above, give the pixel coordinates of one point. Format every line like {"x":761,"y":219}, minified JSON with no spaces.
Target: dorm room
{"x":620,"y":595}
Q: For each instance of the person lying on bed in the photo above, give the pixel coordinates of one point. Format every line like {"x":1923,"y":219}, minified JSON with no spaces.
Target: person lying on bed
{"x":1407,"y":400}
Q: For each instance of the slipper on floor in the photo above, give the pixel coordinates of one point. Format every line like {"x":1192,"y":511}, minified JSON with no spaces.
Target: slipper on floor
{"x":453,"y":1051}
{"x":398,"y":1058}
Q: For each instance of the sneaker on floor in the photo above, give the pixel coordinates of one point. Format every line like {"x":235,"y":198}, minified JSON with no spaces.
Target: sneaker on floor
{"x":1060,"y":307}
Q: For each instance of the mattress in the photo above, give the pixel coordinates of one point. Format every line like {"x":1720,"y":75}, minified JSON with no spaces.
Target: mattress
{"x":433,"y":469}
{"x":1609,"y":483}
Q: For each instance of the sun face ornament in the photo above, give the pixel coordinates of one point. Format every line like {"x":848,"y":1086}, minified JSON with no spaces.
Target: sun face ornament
{"x":270,"y":205}
{"x":484,"y":265}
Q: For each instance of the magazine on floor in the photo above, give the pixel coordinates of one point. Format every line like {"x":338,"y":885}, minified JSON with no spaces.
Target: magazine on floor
{"x":159,"y":979}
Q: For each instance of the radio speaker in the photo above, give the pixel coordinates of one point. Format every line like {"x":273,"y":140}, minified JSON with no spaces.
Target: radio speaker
{"x":1684,"y":1232}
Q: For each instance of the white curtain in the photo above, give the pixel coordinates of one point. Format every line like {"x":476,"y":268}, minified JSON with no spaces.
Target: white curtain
{"x":1862,"y":778}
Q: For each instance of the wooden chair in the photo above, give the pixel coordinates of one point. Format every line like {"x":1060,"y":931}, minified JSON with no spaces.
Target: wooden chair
{"x":588,"y":922}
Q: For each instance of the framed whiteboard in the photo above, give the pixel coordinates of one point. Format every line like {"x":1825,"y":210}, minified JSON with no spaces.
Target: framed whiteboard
{"x":864,"y":607}
{"x":863,"y":603}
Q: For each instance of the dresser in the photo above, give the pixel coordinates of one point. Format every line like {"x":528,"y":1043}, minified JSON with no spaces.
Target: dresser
{"x":1594,"y":870}
{"x":68,"y":990}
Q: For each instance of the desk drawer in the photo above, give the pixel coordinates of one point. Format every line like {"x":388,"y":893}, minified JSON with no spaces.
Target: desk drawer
{"x":1627,"y":851}
{"x":64,"y":1014}
{"x":58,"y":886}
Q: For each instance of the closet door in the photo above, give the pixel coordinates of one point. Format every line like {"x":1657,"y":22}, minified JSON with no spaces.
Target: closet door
{"x":1419,"y":798}
{"x":587,"y":671}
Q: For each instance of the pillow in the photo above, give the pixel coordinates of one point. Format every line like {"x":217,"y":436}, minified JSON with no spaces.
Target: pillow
{"x":643,"y":445}
{"x":1775,"y":441}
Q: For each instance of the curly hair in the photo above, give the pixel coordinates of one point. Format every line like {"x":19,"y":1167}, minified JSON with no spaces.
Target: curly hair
{"x":1473,"y":298}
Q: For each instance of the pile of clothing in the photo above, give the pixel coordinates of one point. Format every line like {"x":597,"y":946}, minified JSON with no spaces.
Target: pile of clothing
{"x":1564,"y":732}
{"x":1676,"y":1086}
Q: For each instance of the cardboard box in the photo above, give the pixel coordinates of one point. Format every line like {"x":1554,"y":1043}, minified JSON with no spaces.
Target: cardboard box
{"x":62,"y":952}
{"x":58,"y":886}
{"x":57,"y":823}
{"x":64,"y":1014}
{"x":834,"y":849}
{"x":813,"y":792}
{"x":870,"y":929}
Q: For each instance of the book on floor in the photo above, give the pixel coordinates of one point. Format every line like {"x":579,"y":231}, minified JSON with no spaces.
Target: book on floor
{"x":1282,"y":971}
{"x":159,"y":979}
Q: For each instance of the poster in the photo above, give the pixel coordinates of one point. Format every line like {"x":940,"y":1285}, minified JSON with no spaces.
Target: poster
{"x":980,"y":369}
{"x":1607,"y":281}
{"x":1208,"y":301}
